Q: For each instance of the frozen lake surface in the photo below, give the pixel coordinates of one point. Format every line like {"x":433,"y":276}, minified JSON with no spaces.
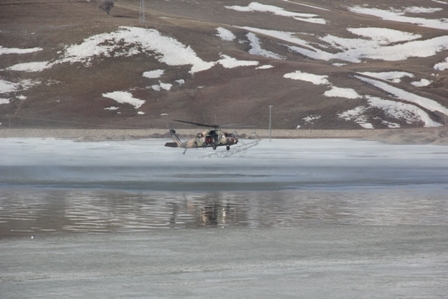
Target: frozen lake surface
{"x":288,"y":219}
{"x":50,"y":185}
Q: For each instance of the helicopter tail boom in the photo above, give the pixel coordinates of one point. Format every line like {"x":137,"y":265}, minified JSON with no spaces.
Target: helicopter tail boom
{"x":171,"y":144}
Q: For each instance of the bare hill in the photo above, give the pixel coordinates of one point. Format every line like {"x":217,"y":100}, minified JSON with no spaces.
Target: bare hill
{"x":321,"y":64}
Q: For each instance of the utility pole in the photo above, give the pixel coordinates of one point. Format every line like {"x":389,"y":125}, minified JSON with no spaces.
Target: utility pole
{"x":142,"y":12}
{"x":270,"y":122}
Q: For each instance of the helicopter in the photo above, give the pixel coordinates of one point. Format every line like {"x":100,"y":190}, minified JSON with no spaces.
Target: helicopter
{"x":213,"y":137}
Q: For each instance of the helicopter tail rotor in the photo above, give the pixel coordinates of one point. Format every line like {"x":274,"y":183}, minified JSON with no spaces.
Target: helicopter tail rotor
{"x":177,"y":142}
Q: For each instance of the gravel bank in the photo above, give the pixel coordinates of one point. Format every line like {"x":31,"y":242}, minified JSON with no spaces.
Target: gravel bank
{"x":123,"y":134}
{"x":395,"y":136}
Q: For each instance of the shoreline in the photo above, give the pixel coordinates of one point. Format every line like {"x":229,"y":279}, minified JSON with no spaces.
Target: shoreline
{"x":393,"y":136}
{"x":164,"y":133}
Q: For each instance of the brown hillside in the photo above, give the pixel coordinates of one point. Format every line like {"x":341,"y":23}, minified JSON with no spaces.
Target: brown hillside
{"x":71,"y":95}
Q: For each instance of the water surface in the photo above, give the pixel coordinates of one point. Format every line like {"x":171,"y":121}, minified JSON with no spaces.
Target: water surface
{"x":50,"y":186}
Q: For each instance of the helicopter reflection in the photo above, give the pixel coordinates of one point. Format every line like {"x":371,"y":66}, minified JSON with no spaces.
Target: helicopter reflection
{"x":217,"y":214}
{"x":209,"y":210}
{"x":31,"y":212}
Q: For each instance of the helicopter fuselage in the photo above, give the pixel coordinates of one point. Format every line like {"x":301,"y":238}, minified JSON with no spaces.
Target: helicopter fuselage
{"x":214,"y":138}
{"x":209,"y":138}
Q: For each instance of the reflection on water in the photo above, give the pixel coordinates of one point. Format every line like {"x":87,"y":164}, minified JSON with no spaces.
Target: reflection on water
{"x":43,"y":211}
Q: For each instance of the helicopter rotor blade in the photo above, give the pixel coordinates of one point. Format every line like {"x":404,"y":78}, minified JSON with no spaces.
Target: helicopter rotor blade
{"x":197,"y":124}
{"x":234,"y":126}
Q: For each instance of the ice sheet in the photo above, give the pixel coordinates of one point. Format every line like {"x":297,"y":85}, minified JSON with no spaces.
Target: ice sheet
{"x":311,"y":262}
{"x":290,"y":219}
{"x":275,"y":165}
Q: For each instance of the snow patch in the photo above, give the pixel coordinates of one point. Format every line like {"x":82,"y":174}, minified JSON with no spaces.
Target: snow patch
{"x":4,"y":101}
{"x":426,"y":103}
{"x":384,"y":36}
{"x":348,"y":93}
{"x":416,"y":9}
{"x":264,"y":67}
{"x":366,"y":125}
{"x":165,"y":86}
{"x":394,"y":77}
{"x":356,"y":115}
{"x":124,"y":97}
{"x":306,"y":5}
{"x":130,"y":41}
{"x":389,"y":124}
{"x":18,"y":51}
{"x":315,"y":79}
{"x":398,"y":110}
{"x":225,"y":34}
{"x":31,"y":66}
{"x":311,"y":118}
{"x":398,"y":16}
{"x":421,"y":83}
{"x":153,"y":74}
{"x":257,"y":50}
{"x":229,"y":62}
{"x":6,"y":86}
{"x":258,"y":7}
{"x":354,"y":50}
{"x":441,"y":66}
{"x":161,"y":85}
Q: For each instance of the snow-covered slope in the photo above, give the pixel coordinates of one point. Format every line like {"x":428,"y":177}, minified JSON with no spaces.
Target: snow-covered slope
{"x":341,"y":65}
